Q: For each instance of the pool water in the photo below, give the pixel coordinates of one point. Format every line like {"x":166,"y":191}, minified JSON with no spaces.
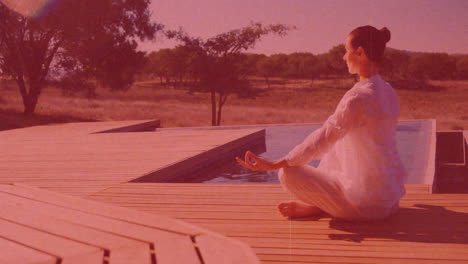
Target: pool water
{"x":279,"y":141}
{"x":415,"y":143}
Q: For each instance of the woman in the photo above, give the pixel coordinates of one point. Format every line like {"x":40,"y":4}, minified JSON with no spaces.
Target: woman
{"x":360,"y":175}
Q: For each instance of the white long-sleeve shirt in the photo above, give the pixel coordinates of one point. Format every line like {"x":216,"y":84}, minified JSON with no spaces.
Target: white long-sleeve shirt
{"x":357,"y":145}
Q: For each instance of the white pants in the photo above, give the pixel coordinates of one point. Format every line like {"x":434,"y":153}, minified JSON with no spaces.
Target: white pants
{"x":314,"y":187}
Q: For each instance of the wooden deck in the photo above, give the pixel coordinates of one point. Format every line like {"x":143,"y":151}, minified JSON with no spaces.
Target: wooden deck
{"x":38,"y":226}
{"x":76,"y":159}
{"x":79,"y":128}
{"x":429,"y":228}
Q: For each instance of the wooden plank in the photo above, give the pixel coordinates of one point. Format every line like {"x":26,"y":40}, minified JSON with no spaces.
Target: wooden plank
{"x":260,"y":198}
{"x":99,"y":209}
{"x":295,"y":258}
{"x":220,"y":187}
{"x":165,"y":243}
{"x":31,"y":207}
{"x":13,"y":253}
{"x":317,"y":228}
{"x":460,"y":249}
{"x":385,"y":254}
{"x":122,"y":250}
{"x":121,"y":238}
{"x":68,"y":250}
{"x":216,"y":249}
{"x":418,"y":188}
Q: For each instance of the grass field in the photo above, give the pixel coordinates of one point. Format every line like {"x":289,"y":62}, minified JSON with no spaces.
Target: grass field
{"x":287,"y":101}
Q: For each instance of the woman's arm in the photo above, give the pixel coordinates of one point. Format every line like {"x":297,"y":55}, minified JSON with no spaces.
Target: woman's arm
{"x":348,"y":114}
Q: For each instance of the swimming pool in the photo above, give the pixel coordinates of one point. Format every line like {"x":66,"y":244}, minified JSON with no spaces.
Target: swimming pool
{"x":415,"y":143}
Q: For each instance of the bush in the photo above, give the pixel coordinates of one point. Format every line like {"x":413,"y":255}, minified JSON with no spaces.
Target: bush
{"x":72,"y":84}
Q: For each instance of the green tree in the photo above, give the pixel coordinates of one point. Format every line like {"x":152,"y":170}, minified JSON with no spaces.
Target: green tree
{"x":173,"y":66}
{"x":435,"y":66}
{"x":86,"y":37}
{"x":272,"y":66}
{"x":303,"y":65}
{"x":395,"y":64}
{"x":116,"y":75}
{"x":312,"y":66}
{"x":337,"y":66}
{"x":250,"y":61}
{"x":295,"y":65}
{"x":219,"y":65}
{"x":323,"y":68}
{"x":155,"y":65}
{"x":462,"y":68}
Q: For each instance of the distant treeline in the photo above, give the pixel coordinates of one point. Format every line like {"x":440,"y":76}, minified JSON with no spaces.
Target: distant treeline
{"x":179,"y":65}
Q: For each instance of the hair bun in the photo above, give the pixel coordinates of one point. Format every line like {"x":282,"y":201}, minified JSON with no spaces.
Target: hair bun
{"x":385,"y":33}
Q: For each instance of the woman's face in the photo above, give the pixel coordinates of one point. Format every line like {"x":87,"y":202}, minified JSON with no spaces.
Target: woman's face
{"x":352,"y":57}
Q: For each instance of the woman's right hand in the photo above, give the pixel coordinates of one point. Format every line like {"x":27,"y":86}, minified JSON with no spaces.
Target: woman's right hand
{"x":260,"y":164}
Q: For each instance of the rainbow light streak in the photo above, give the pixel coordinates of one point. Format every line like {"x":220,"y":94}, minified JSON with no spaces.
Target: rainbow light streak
{"x":30,"y":8}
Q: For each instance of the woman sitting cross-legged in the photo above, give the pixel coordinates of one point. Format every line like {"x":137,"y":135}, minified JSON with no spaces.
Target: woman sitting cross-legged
{"x":360,"y":175}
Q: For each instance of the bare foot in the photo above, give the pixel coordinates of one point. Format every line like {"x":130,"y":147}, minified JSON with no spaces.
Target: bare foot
{"x":294,"y":209}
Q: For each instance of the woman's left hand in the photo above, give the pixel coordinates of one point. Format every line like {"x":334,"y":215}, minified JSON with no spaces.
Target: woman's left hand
{"x":259,"y":164}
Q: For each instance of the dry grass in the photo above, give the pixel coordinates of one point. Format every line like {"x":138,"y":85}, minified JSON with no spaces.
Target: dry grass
{"x":287,"y":101}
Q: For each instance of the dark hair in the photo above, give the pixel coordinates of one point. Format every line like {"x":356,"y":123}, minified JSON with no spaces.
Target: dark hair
{"x":371,"y":40}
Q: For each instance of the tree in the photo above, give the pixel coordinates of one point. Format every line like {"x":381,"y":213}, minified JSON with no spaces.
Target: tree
{"x":250,"y":61}
{"x":117,"y":75}
{"x":337,"y":65}
{"x":85,"y":37}
{"x":219,"y":71}
{"x":312,"y":66}
{"x":72,"y":83}
{"x":272,"y":66}
{"x":462,"y":68}
{"x":302,"y":65}
{"x":157,"y":64}
{"x":173,"y":66}
{"x":323,"y":67}
{"x":435,"y":66}
{"x":395,"y":64}
{"x":295,"y":65}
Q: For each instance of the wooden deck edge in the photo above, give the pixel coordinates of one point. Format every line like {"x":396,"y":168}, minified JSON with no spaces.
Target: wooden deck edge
{"x":273,"y":187}
{"x":141,"y":127}
{"x":450,"y":172}
{"x":460,"y":134}
{"x":431,"y":161}
{"x":207,"y":159}
{"x":268,"y":125}
{"x":418,"y":188}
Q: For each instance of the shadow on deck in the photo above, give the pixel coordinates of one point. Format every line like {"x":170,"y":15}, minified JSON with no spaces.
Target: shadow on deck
{"x":423,"y":223}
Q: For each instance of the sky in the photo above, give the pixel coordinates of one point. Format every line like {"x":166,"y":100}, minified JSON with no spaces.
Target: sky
{"x":415,"y":25}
